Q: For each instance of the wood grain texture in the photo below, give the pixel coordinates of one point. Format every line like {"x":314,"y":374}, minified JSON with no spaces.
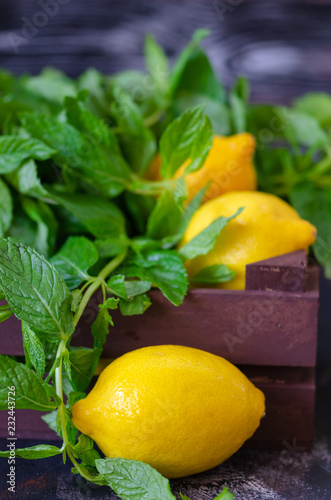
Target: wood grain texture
{"x":247,"y":327}
{"x":282,"y":46}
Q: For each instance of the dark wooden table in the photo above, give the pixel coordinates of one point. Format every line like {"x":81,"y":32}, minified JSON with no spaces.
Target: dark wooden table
{"x":284,"y":47}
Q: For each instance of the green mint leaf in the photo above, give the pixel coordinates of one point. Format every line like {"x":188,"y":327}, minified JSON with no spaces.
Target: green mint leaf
{"x":93,"y":81}
{"x":198,"y":79}
{"x":31,"y":392}
{"x":139,"y":208}
{"x":110,"y":247}
{"x":84,"y":450}
{"x":90,"y":125}
{"x":134,"y":288}
{"x":316,"y":104}
{"x":116,"y":286}
{"x":184,"y":57}
{"x":238,"y":113}
{"x":203,"y":242}
{"x":190,"y":210}
{"x":314,"y":204}
{"x":74,"y":259}
{"x":164,"y":269}
{"x":100,"y":326}
{"x":157,"y":65}
{"x":66,"y":363}
{"x":137,"y":140}
{"x":37,"y":451}
{"x":201,"y":146}
{"x":6,"y":208}
{"x":165,"y":217}
{"x":83,"y":362}
{"x":26,"y":180}
{"x":136,"y":305}
{"x":14,"y":150}
{"x":4,"y":315}
{"x":133,"y":480}
{"x":105,"y":170}
{"x":47,"y":226}
{"x":51,"y":85}
{"x":242,"y":88}
{"x":218,"y":273}
{"x":187,"y":137}
{"x":101,"y":217}
{"x":183,"y":497}
{"x":225,"y":495}
{"x":77,"y":296}
{"x":34,"y":349}
{"x":301,"y":129}
{"x":35,"y":290}
{"x":52,"y":421}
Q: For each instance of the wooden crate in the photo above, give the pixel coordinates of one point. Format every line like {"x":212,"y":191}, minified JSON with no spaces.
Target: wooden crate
{"x":269,"y":330}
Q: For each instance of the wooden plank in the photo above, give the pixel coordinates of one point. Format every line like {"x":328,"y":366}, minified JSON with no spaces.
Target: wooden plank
{"x":245,"y":326}
{"x":284,"y":273}
{"x":251,"y":327}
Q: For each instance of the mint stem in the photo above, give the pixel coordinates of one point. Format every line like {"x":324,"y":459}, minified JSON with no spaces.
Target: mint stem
{"x":97,"y":282}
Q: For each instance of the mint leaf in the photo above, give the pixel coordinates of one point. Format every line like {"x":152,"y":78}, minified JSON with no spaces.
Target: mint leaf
{"x":84,"y":450}
{"x":100,"y":327}
{"x":198,"y":79}
{"x":34,"y":349}
{"x":83,"y":363}
{"x":165,"y":218}
{"x":94,"y":128}
{"x":35,"y":291}
{"x":316,"y":104}
{"x":26,"y":180}
{"x":52,"y":85}
{"x":116,"y":286}
{"x":203,"y":242}
{"x":218,"y":273}
{"x":184,"y":57}
{"x":74,"y":259}
{"x":187,"y":137}
{"x":314,"y":204}
{"x":110,"y":247}
{"x":162,"y":268}
{"x":137,"y":140}
{"x":157,"y":65}
{"x":14,"y":150}
{"x":37,"y":451}
{"x":31,"y":392}
{"x":133,"y":480}
{"x":238,"y":113}
{"x":134,"y":288}
{"x":105,"y":170}
{"x":101,"y":217}
{"x":136,"y":305}
{"x":6,"y":208}
{"x":225,"y":495}
{"x":47,"y":226}
{"x":302,"y":129}
{"x":190,"y":210}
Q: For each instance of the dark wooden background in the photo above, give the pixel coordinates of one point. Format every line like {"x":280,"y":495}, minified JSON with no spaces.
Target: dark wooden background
{"x":284,"y":47}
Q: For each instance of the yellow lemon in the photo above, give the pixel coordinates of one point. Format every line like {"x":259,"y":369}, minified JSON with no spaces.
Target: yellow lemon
{"x":179,"y":409}
{"x":228,"y":167}
{"x":267,"y":227}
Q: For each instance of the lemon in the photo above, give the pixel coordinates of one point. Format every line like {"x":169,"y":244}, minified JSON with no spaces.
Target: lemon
{"x":179,"y":409}
{"x":228,"y":167}
{"x":267,"y":227}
